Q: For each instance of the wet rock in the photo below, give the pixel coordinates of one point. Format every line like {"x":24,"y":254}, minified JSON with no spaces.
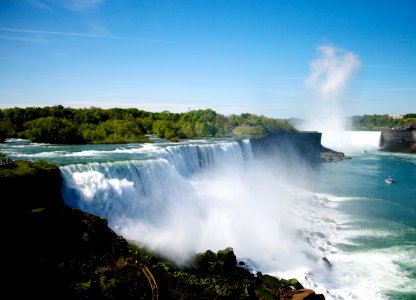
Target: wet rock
{"x":306,"y":294}
{"x":327,"y":261}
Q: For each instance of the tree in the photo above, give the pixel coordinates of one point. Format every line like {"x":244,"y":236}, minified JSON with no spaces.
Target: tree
{"x":52,"y":130}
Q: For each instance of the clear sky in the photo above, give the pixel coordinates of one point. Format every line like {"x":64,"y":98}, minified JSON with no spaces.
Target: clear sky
{"x":231,"y":56}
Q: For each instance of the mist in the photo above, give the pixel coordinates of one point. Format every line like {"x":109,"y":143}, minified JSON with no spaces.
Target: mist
{"x":250,"y":208}
{"x":329,"y":76}
{"x":264,"y":210}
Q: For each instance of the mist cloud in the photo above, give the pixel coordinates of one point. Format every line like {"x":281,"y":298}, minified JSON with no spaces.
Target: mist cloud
{"x":329,"y":75}
{"x":331,"y":71}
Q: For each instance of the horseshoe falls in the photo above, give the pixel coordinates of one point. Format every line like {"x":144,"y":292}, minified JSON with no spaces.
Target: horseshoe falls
{"x":337,"y":226}
{"x":352,"y":141}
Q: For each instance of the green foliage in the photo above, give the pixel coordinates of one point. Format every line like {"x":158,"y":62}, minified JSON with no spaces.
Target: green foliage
{"x":378,"y":122}
{"x":61,"y":125}
{"x":6,"y":129}
{"x":206,"y":260}
{"x":165,"y":129}
{"x":114,"y":131}
{"x":27,"y":168}
{"x":52,"y":130}
{"x":244,"y":132}
{"x":295,"y":283}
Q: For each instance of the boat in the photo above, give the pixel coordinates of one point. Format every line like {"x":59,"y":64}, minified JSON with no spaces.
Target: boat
{"x":389,"y":180}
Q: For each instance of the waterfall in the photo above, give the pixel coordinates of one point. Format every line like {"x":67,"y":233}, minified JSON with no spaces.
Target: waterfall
{"x":142,"y":189}
{"x":177,"y":200}
{"x":352,"y":141}
{"x":144,"y":198}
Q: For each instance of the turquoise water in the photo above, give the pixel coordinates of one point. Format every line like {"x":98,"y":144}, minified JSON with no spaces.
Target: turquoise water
{"x":381,"y":218}
{"x":179,"y":199}
{"x":363,"y":177}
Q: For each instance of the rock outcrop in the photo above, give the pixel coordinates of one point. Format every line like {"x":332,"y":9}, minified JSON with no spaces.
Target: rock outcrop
{"x":398,"y":140}
{"x":294,"y":146}
{"x":306,"y":294}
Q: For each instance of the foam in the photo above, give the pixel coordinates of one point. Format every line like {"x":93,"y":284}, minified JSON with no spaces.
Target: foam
{"x":190,"y":198}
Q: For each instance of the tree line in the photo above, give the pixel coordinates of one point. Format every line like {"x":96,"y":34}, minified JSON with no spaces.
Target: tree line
{"x":65,"y":125}
{"x":377,"y":122}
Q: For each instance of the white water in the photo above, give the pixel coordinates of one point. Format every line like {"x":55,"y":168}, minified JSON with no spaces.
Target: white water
{"x":351,"y":141}
{"x":192,"y":197}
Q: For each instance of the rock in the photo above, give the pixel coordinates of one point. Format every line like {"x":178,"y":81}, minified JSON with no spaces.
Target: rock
{"x":326,"y":261}
{"x":306,"y":294}
{"x":289,"y":146}
{"x":206,"y":260}
{"x":398,"y":140}
{"x":295,"y":283}
{"x":227,"y":258}
{"x":333,"y":156}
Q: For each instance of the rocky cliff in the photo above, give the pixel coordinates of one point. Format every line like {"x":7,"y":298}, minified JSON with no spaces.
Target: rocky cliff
{"x":398,"y":140}
{"x":295,"y":146}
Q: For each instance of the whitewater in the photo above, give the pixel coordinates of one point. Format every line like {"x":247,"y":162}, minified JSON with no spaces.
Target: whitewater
{"x":337,"y":227}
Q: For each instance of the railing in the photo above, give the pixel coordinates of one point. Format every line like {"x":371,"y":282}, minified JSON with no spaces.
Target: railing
{"x":152,"y":282}
{"x":5,"y":161}
{"x":145,"y":270}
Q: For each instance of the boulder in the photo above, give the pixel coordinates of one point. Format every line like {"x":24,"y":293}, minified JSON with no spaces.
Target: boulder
{"x":306,"y":294}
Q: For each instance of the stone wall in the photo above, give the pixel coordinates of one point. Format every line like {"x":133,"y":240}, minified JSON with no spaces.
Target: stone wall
{"x":397,"y":140}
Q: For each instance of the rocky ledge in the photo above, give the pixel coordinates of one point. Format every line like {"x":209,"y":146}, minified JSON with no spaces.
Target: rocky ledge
{"x":295,"y":146}
{"x":331,"y":155}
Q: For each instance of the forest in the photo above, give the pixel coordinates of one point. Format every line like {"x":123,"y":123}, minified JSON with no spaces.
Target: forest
{"x":378,"y":122}
{"x":65,"y":125}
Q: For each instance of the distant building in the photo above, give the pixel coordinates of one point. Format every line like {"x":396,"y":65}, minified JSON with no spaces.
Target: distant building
{"x":396,"y":117}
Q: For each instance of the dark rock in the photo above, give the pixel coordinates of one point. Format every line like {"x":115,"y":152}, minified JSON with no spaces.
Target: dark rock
{"x":294,"y":147}
{"x":333,"y":156}
{"x":227,"y":258}
{"x":398,"y":140}
{"x":206,"y":260}
{"x":326,"y":261}
{"x":306,"y":294}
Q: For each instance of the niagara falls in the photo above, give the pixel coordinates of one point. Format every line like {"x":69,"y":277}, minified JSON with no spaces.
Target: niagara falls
{"x":284,"y":219}
{"x":213,"y":150}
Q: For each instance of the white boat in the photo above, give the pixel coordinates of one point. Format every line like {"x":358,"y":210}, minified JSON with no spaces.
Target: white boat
{"x":389,"y":180}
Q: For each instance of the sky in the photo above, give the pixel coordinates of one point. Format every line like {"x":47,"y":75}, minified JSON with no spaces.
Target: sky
{"x":274,"y":58}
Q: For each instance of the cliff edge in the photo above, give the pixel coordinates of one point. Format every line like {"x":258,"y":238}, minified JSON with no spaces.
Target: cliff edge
{"x":296,"y":146}
{"x":398,"y":139}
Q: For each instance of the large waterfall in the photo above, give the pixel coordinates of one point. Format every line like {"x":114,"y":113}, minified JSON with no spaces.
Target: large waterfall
{"x":281,"y":215}
{"x":182,"y":199}
{"x":158,"y":200}
{"x":144,"y":188}
{"x":351,"y":141}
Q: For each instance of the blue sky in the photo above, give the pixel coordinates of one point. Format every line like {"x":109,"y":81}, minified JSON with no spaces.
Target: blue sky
{"x":231,"y":56}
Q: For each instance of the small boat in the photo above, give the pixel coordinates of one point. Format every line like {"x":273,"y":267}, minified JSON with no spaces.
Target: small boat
{"x":389,"y":180}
